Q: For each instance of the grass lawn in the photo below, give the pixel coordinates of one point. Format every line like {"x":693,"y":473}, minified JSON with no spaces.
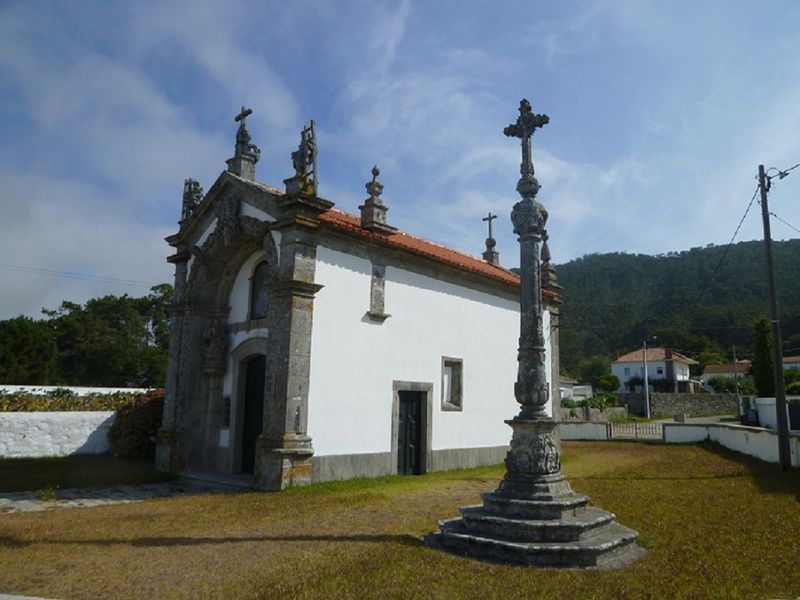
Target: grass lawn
{"x":32,"y":474}
{"x":716,"y":525}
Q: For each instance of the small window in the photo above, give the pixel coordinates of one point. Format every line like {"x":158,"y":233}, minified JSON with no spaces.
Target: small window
{"x":452,"y":383}
{"x":660,"y":370}
{"x":627,"y":371}
{"x":258,"y":292}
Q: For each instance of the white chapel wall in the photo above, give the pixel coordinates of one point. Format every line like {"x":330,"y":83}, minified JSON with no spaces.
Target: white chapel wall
{"x":355,"y":360}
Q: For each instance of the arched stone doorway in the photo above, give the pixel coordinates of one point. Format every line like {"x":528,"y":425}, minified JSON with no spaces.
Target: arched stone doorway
{"x":254,"y":375}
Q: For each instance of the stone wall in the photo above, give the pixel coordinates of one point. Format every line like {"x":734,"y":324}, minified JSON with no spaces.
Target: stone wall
{"x":672,"y":404}
{"x":35,"y":434}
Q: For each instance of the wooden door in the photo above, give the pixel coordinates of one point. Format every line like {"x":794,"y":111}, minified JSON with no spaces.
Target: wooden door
{"x":409,"y":433}
{"x":255,"y":372}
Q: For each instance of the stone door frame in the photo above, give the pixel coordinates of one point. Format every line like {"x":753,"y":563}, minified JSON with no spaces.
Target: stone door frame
{"x":426,"y":426}
{"x":239,"y":356}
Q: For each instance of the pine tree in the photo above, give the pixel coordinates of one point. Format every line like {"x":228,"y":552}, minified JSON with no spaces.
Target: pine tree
{"x":761,"y":367}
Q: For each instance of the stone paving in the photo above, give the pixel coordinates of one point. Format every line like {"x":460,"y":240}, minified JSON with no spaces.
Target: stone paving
{"x":50,"y":499}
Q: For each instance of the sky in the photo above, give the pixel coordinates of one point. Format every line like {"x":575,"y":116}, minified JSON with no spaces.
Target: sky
{"x":660,"y":113}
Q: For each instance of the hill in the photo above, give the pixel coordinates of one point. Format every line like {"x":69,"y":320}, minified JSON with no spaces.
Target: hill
{"x":694,"y":301}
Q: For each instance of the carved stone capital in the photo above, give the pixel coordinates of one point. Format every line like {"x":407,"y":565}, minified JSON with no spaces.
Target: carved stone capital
{"x":529,"y":218}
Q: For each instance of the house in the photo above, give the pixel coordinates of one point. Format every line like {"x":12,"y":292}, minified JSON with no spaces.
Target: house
{"x":309,"y":344}
{"x":662,"y":364}
{"x":727,"y":370}
{"x":566,"y":386}
{"x":791,"y":363}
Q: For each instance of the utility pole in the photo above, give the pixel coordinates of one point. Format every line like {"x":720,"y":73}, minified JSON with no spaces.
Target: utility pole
{"x":777,"y":345}
{"x":736,"y":383}
{"x":646,"y":383}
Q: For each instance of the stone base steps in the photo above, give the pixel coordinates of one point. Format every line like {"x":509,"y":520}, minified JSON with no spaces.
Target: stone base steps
{"x":613,"y":546}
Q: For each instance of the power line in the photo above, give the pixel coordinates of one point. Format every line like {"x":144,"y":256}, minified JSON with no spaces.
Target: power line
{"x":728,"y":247}
{"x":78,"y":276}
{"x":789,"y":225}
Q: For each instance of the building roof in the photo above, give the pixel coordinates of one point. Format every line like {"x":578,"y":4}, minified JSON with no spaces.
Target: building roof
{"x":741,"y":367}
{"x":792,"y":360}
{"x":399,"y":240}
{"x":653,"y":354}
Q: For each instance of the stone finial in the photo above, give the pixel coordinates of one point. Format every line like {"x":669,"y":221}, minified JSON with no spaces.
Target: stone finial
{"x":549,"y":280}
{"x":192,"y":196}
{"x":246,"y":154}
{"x":373,"y":211}
{"x":304,"y":161}
{"x":490,"y":254}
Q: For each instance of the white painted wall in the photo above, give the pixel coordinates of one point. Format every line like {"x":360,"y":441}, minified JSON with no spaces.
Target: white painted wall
{"x":200,"y":241}
{"x":583,"y":431}
{"x":34,"y":434}
{"x":636,"y":369}
{"x":354,"y":360}
{"x":754,"y":441}
{"x":767,"y":413}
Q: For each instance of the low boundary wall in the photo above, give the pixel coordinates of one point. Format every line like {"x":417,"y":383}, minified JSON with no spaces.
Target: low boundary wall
{"x":753,"y":441}
{"x":37,"y":434}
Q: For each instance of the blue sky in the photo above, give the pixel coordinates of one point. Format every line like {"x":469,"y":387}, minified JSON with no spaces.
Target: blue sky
{"x":660,"y":113}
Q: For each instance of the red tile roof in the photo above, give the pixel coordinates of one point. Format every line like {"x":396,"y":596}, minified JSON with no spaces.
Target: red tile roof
{"x":741,"y":367}
{"x":655,"y":353}
{"x":351,"y":224}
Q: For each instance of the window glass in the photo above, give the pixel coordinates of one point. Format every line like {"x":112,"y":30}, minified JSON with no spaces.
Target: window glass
{"x":258,"y":292}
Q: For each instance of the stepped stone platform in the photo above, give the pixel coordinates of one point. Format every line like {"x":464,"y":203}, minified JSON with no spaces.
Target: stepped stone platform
{"x":537,"y":520}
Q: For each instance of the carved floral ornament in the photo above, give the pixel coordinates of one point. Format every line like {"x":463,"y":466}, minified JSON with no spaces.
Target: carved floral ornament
{"x":533,"y":454}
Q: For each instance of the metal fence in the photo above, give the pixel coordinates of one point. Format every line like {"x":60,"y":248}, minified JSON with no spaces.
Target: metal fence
{"x":636,"y":431}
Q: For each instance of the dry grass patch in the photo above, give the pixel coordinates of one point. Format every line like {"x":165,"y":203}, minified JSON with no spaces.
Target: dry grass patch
{"x":716,"y":524}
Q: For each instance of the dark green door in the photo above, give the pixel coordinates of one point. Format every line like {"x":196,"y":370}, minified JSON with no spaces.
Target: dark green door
{"x":255,"y":371}
{"x":409,"y":433}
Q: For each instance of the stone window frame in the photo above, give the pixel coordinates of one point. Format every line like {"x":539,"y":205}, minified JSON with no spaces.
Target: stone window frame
{"x":447,"y":404}
{"x":426,"y":453}
{"x":261,"y":260}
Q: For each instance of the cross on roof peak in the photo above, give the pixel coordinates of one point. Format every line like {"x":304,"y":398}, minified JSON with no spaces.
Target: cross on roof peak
{"x":246,"y":112}
{"x":489,"y":218}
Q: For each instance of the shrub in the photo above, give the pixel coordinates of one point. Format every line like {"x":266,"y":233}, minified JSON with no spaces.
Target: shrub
{"x":134,"y":430}
{"x":62,"y":399}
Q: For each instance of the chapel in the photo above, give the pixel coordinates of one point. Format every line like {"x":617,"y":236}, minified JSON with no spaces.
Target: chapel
{"x":310,"y":344}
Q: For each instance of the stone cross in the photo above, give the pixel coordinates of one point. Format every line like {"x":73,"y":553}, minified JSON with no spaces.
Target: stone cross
{"x":526,"y":124}
{"x":489,"y":218}
{"x":246,"y":112}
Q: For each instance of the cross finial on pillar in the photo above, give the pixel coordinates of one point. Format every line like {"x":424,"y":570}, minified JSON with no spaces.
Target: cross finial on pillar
{"x":246,"y":112}
{"x":527,"y":123}
{"x":245,"y":155}
{"x":490,"y":254}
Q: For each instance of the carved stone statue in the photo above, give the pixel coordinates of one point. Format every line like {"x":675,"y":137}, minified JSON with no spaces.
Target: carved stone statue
{"x":192,"y":196}
{"x":304,"y":161}
{"x":214,"y":348}
{"x":228,"y":222}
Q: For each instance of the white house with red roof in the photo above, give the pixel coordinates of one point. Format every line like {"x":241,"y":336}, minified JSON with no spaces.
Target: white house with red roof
{"x":728,"y":370}
{"x":662,"y":363}
{"x":312,"y":344}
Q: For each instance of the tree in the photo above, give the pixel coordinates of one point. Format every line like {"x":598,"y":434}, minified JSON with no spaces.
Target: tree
{"x":113,"y":340}
{"x":592,"y":368}
{"x":608,"y":383}
{"x":761,"y":367}
{"x":28,"y":352}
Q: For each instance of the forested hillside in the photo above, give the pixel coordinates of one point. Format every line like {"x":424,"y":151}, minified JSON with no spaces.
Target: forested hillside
{"x":688,"y":299}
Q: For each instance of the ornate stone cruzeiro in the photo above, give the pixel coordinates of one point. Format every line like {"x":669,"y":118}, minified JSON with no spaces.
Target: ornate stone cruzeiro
{"x":534,"y":517}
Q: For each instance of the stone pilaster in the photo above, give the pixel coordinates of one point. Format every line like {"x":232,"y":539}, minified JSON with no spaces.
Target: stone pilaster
{"x":284,"y":450}
{"x":167,"y":458}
